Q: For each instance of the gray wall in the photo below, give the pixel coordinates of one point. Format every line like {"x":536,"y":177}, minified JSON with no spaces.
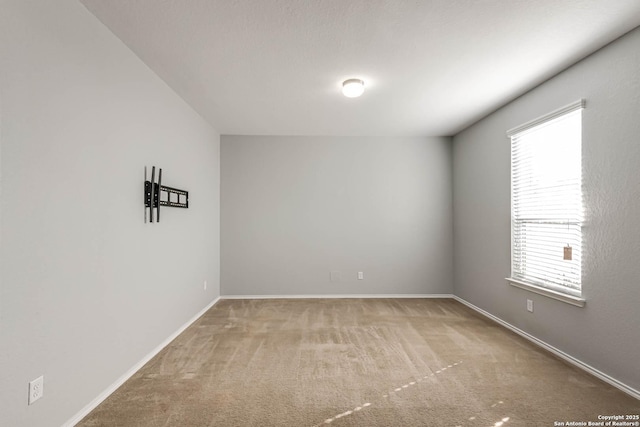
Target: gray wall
{"x":86,"y":288}
{"x":296,"y":208}
{"x":604,"y":334}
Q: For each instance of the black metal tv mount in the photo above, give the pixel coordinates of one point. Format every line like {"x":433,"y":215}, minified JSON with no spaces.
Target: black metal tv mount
{"x":156,"y":195}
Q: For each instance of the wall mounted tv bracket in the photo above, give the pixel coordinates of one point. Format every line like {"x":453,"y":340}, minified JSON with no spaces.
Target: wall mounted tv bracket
{"x":156,"y":195}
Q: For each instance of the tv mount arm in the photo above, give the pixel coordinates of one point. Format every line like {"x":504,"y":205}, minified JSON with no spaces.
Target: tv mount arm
{"x":156,"y":195}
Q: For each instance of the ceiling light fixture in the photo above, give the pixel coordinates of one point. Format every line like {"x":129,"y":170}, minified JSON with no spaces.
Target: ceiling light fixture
{"x":352,"y":88}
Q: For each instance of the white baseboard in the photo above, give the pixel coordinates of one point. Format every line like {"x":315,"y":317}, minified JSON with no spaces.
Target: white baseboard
{"x":561,"y":354}
{"x":135,"y":368}
{"x":320,"y":296}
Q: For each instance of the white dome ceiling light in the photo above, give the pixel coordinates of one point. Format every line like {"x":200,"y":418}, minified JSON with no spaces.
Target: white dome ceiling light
{"x":352,"y":88}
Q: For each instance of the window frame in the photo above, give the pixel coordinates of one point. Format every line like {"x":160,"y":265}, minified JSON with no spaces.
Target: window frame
{"x":550,"y":291}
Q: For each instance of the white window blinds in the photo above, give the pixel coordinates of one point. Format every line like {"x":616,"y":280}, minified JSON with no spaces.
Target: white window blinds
{"x":546,"y":201}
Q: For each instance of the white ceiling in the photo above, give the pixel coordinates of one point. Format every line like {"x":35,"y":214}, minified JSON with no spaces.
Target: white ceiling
{"x":431,"y":67}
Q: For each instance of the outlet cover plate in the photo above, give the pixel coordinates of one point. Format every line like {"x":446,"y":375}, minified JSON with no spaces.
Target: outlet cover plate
{"x":36,"y":389}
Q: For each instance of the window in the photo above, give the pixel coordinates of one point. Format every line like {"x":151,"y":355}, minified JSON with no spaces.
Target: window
{"x":546,"y":204}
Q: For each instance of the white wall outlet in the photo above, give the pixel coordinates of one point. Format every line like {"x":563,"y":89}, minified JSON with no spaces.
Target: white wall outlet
{"x":36,"y":389}
{"x":530,"y":305}
{"x":360,"y":275}
{"x":205,"y":285}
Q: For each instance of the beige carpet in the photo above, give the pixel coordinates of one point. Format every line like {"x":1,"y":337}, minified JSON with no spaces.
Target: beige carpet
{"x":355,"y":362}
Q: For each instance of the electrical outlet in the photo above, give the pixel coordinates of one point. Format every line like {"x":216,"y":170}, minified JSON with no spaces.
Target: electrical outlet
{"x":36,"y":389}
{"x":205,"y":285}
{"x":360,"y":275}
{"x":530,"y":305}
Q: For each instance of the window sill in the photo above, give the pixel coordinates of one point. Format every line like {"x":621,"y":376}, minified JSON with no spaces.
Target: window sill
{"x":569,"y":299}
